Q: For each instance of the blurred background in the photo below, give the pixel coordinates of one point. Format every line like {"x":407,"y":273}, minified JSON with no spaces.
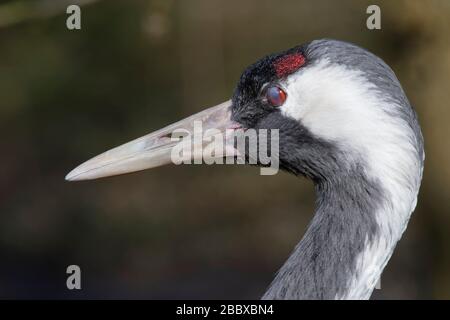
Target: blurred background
{"x":187,"y":231}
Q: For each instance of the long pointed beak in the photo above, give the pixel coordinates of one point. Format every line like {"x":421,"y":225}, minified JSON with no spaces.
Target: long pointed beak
{"x":154,"y":149}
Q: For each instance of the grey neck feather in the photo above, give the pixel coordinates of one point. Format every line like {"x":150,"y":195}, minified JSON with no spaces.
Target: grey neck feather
{"x":325,"y":259}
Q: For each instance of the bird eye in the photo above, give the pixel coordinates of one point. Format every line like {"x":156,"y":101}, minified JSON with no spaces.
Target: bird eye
{"x":275,"y":96}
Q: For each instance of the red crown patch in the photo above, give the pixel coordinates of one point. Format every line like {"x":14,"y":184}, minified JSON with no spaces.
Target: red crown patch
{"x":288,"y":64}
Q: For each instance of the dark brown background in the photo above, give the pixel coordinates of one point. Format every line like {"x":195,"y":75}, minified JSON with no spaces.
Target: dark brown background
{"x":187,"y":231}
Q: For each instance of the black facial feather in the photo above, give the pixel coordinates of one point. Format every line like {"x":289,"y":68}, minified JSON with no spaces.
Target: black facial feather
{"x":301,"y":153}
{"x":247,"y":107}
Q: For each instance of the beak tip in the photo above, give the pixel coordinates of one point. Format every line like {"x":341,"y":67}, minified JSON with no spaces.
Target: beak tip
{"x":71,"y":176}
{"x":75,"y":175}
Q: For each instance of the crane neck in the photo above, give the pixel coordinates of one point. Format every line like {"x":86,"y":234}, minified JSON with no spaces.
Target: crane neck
{"x":344,"y":249}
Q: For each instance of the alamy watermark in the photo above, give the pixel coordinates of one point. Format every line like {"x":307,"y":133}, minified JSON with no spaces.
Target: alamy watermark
{"x":373,"y":22}
{"x":73,"y":21}
{"x":232,"y":146}
{"x":74,"y":279}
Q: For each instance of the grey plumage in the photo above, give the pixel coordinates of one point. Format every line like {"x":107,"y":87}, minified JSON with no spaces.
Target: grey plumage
{"x":321,"y":264}
{"x":347,"y":199}
{"x":377,"y":72}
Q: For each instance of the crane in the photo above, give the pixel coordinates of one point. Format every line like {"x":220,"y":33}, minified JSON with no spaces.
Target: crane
{"x":345,"y":123}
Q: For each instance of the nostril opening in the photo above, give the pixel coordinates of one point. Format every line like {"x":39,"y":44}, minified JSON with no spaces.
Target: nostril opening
{"x":167,"y":135}
{"x":175,"y":135}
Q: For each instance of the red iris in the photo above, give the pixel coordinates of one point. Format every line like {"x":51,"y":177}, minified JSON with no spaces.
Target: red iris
{"x":275,"y":96}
